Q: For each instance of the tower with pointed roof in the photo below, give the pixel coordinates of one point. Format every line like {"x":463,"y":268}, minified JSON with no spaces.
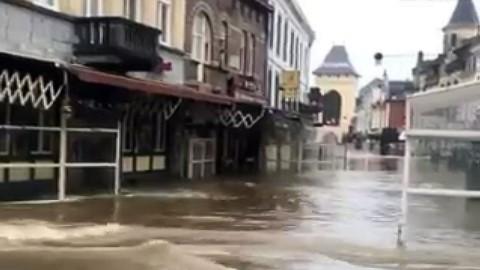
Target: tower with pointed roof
{"x":338,"y":80}
{"x":463,"y":24}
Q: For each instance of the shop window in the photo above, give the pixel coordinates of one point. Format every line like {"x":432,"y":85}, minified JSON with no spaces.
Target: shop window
{"x":160,"y":132}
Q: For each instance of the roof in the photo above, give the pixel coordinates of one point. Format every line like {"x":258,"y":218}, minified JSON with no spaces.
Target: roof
{"x":464,"y":14}
{"x":337,"y":62}
{"x":398,"y":90}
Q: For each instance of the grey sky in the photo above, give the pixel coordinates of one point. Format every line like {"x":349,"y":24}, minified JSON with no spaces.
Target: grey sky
{"x":399,"y":28}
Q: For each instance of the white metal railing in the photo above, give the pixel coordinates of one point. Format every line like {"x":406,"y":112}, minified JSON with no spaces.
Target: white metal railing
{"x":462,"y":92}
{"x":62,"y":165}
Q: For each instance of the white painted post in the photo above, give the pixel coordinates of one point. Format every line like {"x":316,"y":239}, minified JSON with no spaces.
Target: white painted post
{"x":300,"y":156}
{"x":118,"y":159}
{"x":406,"y":179}
{"x":62,"y":175}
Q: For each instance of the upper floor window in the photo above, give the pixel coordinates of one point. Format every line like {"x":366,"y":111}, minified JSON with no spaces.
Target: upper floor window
{"x":225,"y":33}
{"x":163,"y":19}
{"x":93,"y":8}
{"x":292,"y":49}
{"x":297,"y":53}
{"x":202,"y":38}
{"x":279,"y":34}
{"x":251,"y":55}
{"x":270,"y":31}
{"x":51,"y":4}
{"x":243,"y":52}
{"x":453,"y":40}
{"x":285,"y":41}
{"x":132,"y":9}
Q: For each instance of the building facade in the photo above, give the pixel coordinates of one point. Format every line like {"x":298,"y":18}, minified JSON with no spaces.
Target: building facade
{"x":291,"y":38}
{"x":180,"y":86}
{"x":458,"y":61}
{"x":338,"y":80}
{"x":458,"y":64}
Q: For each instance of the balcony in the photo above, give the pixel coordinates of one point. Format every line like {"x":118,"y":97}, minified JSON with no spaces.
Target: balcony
{"x":116,"y":44}
{"x":206,"y":78}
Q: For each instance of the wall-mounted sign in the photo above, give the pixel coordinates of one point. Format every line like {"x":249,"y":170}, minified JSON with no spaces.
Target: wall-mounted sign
{"x":290,"y":83}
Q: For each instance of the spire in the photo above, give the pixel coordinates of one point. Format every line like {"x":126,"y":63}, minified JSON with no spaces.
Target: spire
{"x":465,"y":14}
{"x":337,"y":62}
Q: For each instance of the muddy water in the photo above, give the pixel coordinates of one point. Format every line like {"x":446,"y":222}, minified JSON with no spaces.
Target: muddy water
{"x":323,"y":220}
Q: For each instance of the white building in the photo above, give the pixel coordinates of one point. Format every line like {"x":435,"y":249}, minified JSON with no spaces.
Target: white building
{"x":291,"y":38}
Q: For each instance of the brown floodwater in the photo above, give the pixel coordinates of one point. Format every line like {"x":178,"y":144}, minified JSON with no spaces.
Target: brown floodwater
{"x":319,"y":220}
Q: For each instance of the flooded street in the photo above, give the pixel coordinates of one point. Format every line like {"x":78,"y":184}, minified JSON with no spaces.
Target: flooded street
{"x":321,"y":220}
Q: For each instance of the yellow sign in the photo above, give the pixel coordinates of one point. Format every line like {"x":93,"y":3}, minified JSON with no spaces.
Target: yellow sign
{"x":290,"y":83}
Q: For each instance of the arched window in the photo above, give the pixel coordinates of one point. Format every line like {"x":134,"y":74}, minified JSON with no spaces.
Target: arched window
{"x":243,"y":52}
{"x":332,"y":108}
{"x":201,"y":42}
{"x":225,"y":41}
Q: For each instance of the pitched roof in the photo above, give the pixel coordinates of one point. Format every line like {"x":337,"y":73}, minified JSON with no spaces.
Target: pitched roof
{"x":397,"y":90}
{"x":337,"y":62}
{"x":465,"y":14}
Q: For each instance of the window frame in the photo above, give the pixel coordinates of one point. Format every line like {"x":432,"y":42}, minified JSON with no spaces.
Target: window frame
{"x":251,"y":54}
{"x":243,"y":53}
{"x":165,"y":37}
{"x":226,"y":40}
{"x":285,"y":41}
{"x":279,"y":35}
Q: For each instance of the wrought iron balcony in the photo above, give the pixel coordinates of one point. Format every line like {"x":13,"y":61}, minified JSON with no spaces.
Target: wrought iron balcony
{"x":116,"y":43}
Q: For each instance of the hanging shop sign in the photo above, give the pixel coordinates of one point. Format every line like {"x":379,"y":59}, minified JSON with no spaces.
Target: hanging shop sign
{"x":290,"y":83}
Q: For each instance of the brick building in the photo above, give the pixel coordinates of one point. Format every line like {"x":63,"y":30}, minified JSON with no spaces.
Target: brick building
{"x":227,"y":44}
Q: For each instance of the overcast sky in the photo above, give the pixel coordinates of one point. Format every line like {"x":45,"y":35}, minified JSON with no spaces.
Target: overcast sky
{"x":399,"y":28}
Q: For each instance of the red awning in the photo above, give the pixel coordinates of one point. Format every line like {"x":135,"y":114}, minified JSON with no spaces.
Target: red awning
{"x":149,"y":86}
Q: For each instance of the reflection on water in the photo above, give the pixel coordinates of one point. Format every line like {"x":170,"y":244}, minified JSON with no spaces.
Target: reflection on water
{"x":323,"y":220}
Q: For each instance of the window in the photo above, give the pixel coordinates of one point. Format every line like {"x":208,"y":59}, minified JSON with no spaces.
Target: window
{"x":4,"y":134}
{"x":297,"y":53}
{"x":285,"y":41}
{"x":305,"y":60}
{"x":300,"y":57}
{"x":276,"y":90}
{"x":279,"y":34}
{"x":292,"y":48}
{"x":128,"y":132}
{"x":269,"y":86}
{"x":163,"y":19}
{"x":453,"y":40}
{"x":132,"y":9}
{"x":160,"y":132}
{"x":43,"y":143}
{"x":225,"y":41}
{"x":251,"y":55}
{"x":270,"y":31}
{"x":51,"y":4}
{"x":93,"y":8}
{"x":202,"y":42}
{"x":243,"y":52}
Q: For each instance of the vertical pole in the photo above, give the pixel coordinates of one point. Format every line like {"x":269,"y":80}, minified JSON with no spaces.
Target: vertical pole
{"x":118,"y":158}
{"x":345,"y":157}
{"x":300,"y":156}
{"x":406,"y":179}
{"x":62,"y":175}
